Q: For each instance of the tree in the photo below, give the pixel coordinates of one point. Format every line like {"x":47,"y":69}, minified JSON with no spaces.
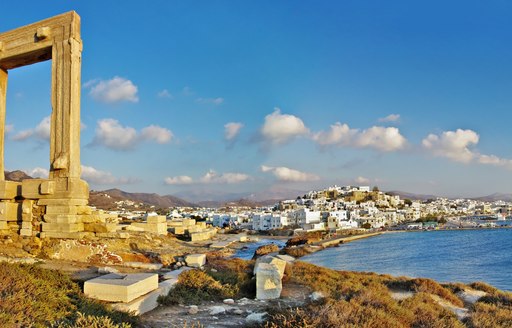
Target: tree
{"x":375,"y":188}
{"x":367,"y":226}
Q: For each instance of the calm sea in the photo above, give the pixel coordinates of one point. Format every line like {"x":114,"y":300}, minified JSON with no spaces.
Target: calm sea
{"x":446,"y":256}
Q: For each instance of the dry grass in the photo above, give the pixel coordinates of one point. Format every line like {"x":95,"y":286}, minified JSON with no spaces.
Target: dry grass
{"x":34,"y":297}
{"x":228,"y":278}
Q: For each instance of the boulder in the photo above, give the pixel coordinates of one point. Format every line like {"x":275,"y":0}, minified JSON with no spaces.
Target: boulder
{"x":265,"y":249}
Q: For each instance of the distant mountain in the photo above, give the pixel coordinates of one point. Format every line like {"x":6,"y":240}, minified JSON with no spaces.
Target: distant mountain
{"x":16,"y":176}
{"x":409,"y":195}
{"x":238,"y":203}
{"x":495,"y":197}
{"x":100,"y":200}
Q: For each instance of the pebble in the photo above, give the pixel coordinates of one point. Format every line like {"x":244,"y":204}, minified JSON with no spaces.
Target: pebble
{"x":229,"y":301}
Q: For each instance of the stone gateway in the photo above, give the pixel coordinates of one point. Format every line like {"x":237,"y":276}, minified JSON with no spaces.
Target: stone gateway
{"x":55,"y":207}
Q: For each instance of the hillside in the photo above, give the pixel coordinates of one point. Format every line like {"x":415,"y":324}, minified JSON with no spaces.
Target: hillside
{"x":106,"y":199}
{"x":16,"y":175}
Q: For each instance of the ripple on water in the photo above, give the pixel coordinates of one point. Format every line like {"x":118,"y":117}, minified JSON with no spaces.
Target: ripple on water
{"x":446,"y":256}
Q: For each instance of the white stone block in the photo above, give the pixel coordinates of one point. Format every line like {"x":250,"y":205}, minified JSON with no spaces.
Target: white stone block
{"x":121,"y":287}
{"x":146,"y":302}
{"x":195,"y":260}
{"x":268,"y":282}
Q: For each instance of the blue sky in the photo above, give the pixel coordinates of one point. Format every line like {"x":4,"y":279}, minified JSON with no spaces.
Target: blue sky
{"x":218,"y":99}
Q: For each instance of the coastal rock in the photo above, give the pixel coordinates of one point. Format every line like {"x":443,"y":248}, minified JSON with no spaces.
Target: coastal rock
{"x":471,"y":295}
{"x":255,"y":318}
{"x":264,"y":250}
{"x":229,"y":301}
{"x":105,"y":270}
{"x":193,"y":309}
{"x":214,"y":310}
{"x":316,"y":296}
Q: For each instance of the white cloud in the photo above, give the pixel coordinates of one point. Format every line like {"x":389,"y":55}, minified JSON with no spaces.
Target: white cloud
{"x":362,"y":180}
{"x":114,"y":90}
{"x":224,"y":178}
{"x":231,"y":130}
{"x":178,"y":180}
{"x":41,"y":131}
{"x":210,"y":101}
{"x":38,"y":172}
{"x":377,"y":137}
{"x":98,"y":177}
{"x":281,"y":128}
{"x":456,"y":146}
{"x":158,"y":134}
{"x":390,"y":118}
{"x":286,"y":174}
{"x":165,"y":94}
{"x":9,"y":128}
{"x":339,"y":134}
{"x":453,"y":145}
{"x":111,"y":134}
{"x":210,"y":177}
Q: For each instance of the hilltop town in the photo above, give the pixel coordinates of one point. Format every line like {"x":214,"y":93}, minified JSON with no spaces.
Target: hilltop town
{"x":334,"y":208}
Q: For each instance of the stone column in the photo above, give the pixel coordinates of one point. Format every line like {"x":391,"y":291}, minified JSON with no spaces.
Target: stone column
{"x":65,"y":127}
{"x":3,"y":96}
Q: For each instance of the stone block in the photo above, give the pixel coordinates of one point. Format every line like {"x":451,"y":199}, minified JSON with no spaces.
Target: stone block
{"x":121,"y":287}
{"x":114,"y":235}
{"x":26,"y":225}
{"x":26,"y":232}
{"x":65,"y":235}
{"x":146,"y":302}
{"x":100,"y":227}
{"x":84,"y":210}
{"x":9,"y":211}
{"x":133,"y":228}
{"x":62,"y":218}
{"x":286,"y":258}
{"x":47,"y":187}
{"x":9,"y":189}
{"x":156,"y":219}
{"x":62,"y":202}
{"x":92,"y":218}
{"x":4,"y":225}
{"x":201,"y":224}
{"x":195,"y":260}
{"x":158,"y":228}
{"x":189,"y":222}
{"x":278,"y":263}
{"x":173,"y":223}
{"x":178,"y":230}
{"x":58,"y":209}
{"x":268,"y":282}
{"x":26,"y":210}
{"x":63,"y":227}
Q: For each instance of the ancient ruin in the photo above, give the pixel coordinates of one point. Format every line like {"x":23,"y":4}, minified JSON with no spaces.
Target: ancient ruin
{"x":55,"y":207}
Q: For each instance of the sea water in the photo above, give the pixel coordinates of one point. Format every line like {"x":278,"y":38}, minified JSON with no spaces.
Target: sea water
{"x":446,"y":256}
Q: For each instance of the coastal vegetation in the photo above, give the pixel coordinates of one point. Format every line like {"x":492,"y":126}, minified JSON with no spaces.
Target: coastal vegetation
{"x":350,"y":299}
{"x":31,"y":296}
